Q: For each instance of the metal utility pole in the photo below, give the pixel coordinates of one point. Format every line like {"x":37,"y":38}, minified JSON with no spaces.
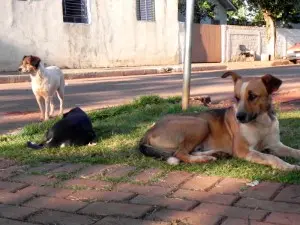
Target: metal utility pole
{"x":189,"y":18}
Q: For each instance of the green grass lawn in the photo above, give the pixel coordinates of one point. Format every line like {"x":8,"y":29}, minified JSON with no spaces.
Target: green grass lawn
{"x":119,"y":130}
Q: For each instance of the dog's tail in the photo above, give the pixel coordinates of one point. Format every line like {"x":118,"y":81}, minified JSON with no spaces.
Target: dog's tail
{"x":151,"y":151}
{"x":35,"y":146}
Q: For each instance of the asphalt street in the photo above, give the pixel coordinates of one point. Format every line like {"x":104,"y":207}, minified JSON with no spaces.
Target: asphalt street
{"x":18,"y":105}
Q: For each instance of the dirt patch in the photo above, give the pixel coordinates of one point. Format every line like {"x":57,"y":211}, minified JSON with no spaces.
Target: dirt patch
{"x":287,"y":101}
{"x":290,"y":105}
{"x":203,"y":101}
{"x":17,"y":113}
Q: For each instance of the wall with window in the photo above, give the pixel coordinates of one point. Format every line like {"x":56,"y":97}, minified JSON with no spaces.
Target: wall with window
{"x":89,"y":33}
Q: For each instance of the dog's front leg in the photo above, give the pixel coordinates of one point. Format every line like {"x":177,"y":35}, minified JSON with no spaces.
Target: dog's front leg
{"x":39,"y":102}
{"x":244,"y":151}
{"x":270,"y":160}
{"x":47,"y":108}
{"x":282,"y":150}
{"x":60,"y":95}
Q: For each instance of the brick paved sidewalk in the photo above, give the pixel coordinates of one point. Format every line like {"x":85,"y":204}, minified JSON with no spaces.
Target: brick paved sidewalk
{"x":77,"y":194}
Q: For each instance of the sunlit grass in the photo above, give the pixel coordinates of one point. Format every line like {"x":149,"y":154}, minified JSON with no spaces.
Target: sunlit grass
{"x":119,"y":130}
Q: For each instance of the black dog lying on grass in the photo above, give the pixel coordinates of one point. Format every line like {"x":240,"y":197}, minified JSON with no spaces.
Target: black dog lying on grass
{"x":74,"y":129}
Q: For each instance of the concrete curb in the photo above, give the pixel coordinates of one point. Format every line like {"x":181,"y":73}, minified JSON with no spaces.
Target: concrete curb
{"x":17,"y":78}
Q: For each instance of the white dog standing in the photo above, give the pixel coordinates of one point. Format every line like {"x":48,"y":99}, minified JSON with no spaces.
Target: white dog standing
{"x":45,"y":81}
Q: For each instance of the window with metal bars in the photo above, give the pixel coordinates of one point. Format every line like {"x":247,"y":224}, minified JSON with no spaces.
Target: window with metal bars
{"x":76,"y":11}
{"x":145,"y":10}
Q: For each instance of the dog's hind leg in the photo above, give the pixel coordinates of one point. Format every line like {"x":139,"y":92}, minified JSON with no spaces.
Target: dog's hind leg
{"x":214,"y":153}
{"x":175,"y":138}
{"x":184,"y":155}
{"x":52,"y":107}
{"x":187,"y":158}
{"x":60,"y":95}
{"x":47,"y":108}
{"x":200,"y":153}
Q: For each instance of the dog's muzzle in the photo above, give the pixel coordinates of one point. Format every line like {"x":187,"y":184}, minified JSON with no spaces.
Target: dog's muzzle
{"x":244,"y":117}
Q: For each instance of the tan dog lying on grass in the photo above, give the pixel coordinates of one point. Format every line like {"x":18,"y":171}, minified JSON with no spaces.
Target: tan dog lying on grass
{"x":243,"y":130}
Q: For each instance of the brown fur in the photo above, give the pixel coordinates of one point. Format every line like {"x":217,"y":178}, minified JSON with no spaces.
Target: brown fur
{"x":31,"y":63}
{"x":242,"y":131}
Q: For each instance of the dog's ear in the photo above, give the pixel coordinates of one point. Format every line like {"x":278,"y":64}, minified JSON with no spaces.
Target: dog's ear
{"x":35,"y":61}
{"x":271,"y":83}
{"x":235,"y":77}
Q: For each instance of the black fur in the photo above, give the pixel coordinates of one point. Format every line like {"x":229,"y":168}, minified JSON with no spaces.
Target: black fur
{"x":75,"y":128}
{"x":148,"y":150}
{"x":35,"y":61}
{"x":34,"y":146}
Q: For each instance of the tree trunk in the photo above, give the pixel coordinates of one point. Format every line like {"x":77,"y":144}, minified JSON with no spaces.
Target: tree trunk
{"x":271,"y":33}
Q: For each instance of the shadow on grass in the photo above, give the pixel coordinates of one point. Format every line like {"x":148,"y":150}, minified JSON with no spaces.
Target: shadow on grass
{"x":119,"y":130}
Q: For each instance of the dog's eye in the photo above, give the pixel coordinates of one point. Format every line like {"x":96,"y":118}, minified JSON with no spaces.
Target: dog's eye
{"x":237,"y":99}
{"x":252,"y":96}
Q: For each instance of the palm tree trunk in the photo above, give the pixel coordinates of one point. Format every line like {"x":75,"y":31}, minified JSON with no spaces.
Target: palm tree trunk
{"x":271,"y":33}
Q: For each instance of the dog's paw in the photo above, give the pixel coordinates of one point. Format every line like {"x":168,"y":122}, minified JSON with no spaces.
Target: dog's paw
{"x":46,"y":119}
{"x":41,"y":118}
{"x":33,"y":145}
{"x":288,"y":167}
{"x":202,"y":159}
{"x":92,"y":144}
{"x":211,"y":158}
{"x":29,"y":143}
{"x":296,"y":167}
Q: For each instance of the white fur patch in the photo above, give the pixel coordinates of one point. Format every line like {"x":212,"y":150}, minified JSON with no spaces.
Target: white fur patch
{"x":243,"y":88}
{"x":63,"y":145}
{"x":243,"y":93}
{"x":49,"y":140}
{"x":264,"y":131}
{"x":173,"y":161}
{"x":92,"y":144}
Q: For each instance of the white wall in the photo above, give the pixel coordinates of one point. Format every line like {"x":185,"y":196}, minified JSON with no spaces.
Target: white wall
{"x":181,"y":41}
{"x":234,"y":36}
{"x":114,"y":37}
{"x":254,"y":38}
{"x":286,"y":38}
